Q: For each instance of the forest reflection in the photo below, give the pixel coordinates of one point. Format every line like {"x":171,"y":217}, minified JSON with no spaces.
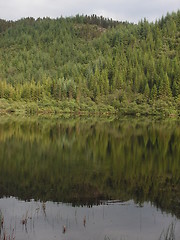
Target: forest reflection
{"x":83,"y":161}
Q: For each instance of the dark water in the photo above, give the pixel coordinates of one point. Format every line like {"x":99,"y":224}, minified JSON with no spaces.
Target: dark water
{"x":100,"y":178}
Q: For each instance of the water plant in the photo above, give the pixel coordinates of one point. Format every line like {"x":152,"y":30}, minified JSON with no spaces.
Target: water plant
{"x":169,"y":233}
{"x":4,"y":235}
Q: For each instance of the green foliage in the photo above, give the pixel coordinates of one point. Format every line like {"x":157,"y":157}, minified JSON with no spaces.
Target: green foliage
{"x":90,"y":57}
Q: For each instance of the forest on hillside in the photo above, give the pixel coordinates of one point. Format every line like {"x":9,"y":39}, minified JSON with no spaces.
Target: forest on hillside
{"x":90,"y":64}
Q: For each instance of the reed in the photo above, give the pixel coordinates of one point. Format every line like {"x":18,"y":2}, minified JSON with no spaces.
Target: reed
{"x":169,"y":233}
{"x":4,"y":235}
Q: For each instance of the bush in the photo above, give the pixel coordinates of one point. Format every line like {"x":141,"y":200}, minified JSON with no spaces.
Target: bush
{"x":32,"y":108}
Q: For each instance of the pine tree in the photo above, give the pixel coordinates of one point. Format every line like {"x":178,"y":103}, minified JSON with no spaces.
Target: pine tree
{"x":154,"y":93}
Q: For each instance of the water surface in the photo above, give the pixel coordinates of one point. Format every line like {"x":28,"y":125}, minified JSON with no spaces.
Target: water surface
{"x":121,"y":175}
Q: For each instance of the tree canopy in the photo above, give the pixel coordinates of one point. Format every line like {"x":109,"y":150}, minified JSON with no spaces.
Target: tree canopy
{"x":91,"y":59}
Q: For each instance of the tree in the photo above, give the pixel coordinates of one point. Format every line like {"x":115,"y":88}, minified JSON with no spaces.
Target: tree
{"x":154,"y":93}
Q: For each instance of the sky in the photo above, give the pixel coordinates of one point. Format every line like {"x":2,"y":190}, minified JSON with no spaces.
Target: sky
{"x":122,"y":10}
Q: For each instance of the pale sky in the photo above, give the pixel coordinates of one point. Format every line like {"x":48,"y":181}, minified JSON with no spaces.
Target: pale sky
{"x":122,"y":10}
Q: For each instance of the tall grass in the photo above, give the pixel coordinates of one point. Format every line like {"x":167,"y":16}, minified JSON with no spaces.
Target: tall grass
{"x":4,"y":235}
{"x":169,"y":233}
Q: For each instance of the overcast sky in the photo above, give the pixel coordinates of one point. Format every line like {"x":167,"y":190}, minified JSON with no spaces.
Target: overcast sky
{"x":130,"y":10}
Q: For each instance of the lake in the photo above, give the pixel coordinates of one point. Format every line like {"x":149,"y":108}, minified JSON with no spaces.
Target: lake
{"x":89,"y":178}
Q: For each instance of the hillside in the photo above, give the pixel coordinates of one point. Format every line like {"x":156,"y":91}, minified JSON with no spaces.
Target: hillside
{"x":89,"y":63}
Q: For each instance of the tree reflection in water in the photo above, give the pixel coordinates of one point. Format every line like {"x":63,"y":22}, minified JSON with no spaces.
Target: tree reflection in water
{"x":84,"y":161}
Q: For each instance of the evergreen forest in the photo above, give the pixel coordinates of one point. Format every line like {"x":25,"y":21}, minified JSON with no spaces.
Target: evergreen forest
{"x":90,"y":64}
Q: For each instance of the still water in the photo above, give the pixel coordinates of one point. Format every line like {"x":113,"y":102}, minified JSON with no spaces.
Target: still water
{"x":89,"y":178}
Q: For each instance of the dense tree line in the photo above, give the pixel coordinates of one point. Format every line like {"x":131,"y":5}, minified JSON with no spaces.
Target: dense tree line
{"x":91,"y":58}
